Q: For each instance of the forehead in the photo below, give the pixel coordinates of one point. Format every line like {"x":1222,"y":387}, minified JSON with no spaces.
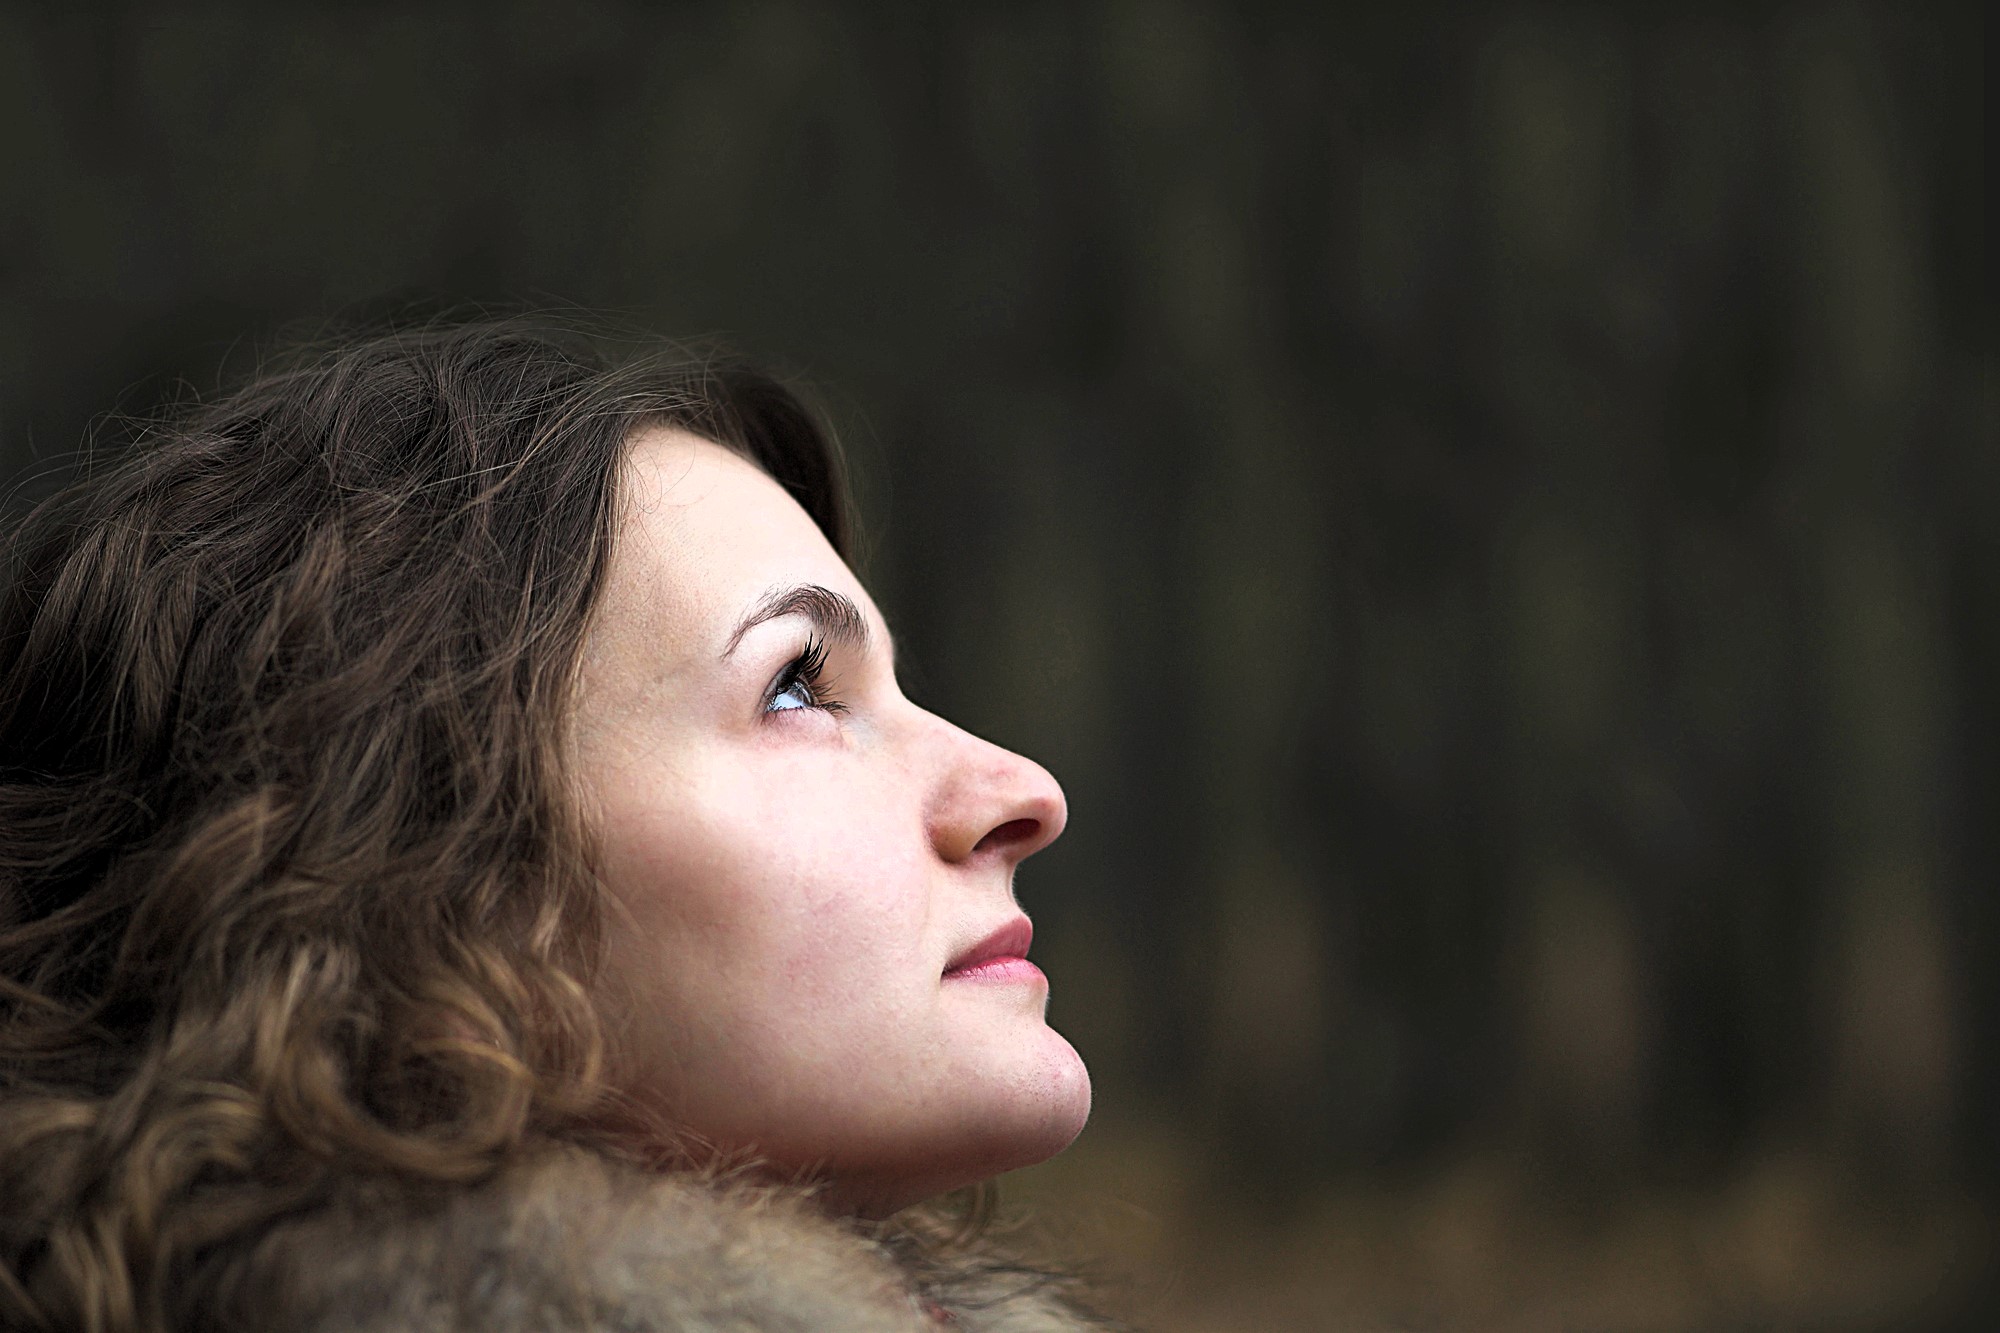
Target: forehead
{"x":702,"y":533}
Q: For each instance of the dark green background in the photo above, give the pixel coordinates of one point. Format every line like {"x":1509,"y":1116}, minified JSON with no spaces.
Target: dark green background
{"x":1489,"y":511}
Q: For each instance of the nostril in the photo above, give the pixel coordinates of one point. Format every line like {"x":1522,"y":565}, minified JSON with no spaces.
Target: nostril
{"x":1013,"y":833}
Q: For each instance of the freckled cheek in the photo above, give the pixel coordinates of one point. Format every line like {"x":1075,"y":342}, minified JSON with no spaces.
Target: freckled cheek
{"x":813,"y":881}
{"x":848,"y":884}
{"x":857,"y":915}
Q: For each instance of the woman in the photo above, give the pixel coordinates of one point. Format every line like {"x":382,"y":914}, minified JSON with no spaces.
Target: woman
{"x":465,"y":862}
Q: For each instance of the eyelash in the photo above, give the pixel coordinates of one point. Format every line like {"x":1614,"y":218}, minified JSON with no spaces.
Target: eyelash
{"x":806,"y":673}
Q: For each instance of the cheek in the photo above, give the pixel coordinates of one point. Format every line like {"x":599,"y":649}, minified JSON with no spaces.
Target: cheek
{"x":736,"y":875}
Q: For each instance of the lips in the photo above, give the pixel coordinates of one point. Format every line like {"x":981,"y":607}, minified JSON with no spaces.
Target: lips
{"x":998,"y":953}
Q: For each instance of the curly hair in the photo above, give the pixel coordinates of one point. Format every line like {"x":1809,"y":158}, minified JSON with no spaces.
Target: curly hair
{"x":291,"y":884}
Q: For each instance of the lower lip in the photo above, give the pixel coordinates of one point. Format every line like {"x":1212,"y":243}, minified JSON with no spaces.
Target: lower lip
{"x":998,"y":969}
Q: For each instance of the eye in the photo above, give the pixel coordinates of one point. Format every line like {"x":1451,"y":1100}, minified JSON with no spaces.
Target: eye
{"x":796,"y":695}
{"x":803,"y":684}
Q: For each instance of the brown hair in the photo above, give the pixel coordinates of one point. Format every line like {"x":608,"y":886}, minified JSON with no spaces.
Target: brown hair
{"x":290,"y":884}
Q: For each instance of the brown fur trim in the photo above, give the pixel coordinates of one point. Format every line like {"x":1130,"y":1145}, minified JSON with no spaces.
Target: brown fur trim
{"x":571,"y":1241}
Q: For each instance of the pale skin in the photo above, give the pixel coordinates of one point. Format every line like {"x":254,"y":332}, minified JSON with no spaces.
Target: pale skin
{"x":815,"y":956}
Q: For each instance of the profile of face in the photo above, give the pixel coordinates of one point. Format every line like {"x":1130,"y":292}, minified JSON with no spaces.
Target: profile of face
{"x":814,"y":954}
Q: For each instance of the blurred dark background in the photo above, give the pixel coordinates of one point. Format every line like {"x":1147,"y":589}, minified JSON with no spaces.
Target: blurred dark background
{"x":1489,"y":510}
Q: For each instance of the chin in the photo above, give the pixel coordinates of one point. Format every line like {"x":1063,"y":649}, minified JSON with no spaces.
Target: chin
{"x":1033,"y":1118}
{"x":1024,"y":1120}
{"x":1064,"y":1106}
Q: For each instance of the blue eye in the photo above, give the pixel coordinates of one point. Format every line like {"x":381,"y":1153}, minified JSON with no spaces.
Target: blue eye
{"x":795,"y":695}
{"x":802,"y":684}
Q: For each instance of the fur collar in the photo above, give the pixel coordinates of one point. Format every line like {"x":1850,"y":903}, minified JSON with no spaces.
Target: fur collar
{"x":571,"y":1241}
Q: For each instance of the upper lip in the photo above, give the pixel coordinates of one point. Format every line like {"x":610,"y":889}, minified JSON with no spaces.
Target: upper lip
{"x":1009,"y":941}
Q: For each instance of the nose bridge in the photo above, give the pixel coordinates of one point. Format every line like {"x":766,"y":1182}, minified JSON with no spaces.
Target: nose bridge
{"x":985,"y":795}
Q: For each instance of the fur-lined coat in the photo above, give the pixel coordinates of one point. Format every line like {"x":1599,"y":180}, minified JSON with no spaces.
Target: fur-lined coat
{"x":573,"y":1242}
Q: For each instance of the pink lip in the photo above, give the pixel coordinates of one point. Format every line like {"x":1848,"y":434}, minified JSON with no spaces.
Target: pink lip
{"x":1001,"y":956}
{"x":997,"y":969}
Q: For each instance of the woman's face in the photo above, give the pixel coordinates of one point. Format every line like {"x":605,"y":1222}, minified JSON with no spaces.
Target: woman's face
{"x":815,"y":954}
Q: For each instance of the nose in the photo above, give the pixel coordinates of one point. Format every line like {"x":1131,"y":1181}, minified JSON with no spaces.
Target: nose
{"x":991,"y":803}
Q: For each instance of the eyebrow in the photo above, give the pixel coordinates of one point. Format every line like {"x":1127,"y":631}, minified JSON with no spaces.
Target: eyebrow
{"x":832,"y":615}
